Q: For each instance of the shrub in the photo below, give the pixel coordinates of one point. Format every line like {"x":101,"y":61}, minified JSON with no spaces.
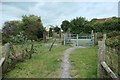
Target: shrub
{"x":18,"y":39}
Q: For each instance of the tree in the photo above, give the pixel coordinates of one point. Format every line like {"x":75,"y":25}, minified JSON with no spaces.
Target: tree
{"x":78,"y":25}
{"x":65,"y":25}
{"x":50,"y":32}
{"x":10,"y":28}
{"x":32,"y":27}
{"x":57,"y":29}
{"x":88,"y":27}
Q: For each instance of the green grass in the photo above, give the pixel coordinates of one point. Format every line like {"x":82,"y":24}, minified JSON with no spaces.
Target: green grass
{"x":0,"y":51}
{"x":43,"y":64}
{"x":84,"y":63}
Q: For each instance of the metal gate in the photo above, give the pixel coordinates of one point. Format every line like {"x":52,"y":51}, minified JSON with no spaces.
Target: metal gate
{"x":79,"y":39}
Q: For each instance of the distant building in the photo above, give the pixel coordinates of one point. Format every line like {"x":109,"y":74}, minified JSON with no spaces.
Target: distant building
{"x":102,"y":20}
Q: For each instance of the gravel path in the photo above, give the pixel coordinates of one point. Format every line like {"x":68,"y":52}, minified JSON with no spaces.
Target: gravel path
{"x":65,"y":66}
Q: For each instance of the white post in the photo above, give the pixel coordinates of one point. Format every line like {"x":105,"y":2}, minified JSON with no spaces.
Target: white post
{"x":77,"y":39}
{"x":92,"y":37}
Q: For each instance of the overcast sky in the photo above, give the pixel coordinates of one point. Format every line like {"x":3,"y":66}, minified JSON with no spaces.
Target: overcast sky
{"x":53,"y":13}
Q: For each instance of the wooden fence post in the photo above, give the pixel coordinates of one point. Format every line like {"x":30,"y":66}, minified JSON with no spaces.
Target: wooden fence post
{"x":52,"y":45}
{"x":96,"y":38}
{"x":103,"y":70}
{"x":104,"y":37}
{"x":64,"y":39}
{"x":1,"y":62}
{"x":6,"y":55}
{"x":77,"y":39}
{"x":44,"y":36}
{"x":101,"y":58}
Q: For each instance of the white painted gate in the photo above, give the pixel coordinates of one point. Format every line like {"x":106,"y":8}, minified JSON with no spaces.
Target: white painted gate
{"x":79,"y":39}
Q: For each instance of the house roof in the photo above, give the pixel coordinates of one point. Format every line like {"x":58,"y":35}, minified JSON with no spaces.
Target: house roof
{"x":102,"y":20}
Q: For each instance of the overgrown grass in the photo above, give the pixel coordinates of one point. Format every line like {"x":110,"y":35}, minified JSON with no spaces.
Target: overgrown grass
{"x":43,"y":64}
{"x":18,"y":48}
{"x":0,"y":51}
{"x":84,"y":63}
{"x":112,"y":59}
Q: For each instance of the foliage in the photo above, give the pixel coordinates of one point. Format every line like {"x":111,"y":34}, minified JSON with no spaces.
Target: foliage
{"x":77,"y":25}
{"x":80,"y":25}
{"x":18,"y":39}
{"x":19,"y":53}
{"x":57,"y":29}
{"x":10,"y":28}
{"x":31,"y":27}
{"x":113,"y":34}
{"x":50,"y":32}
{"x":43,"y":64}
{"x":113,"y":39}
{"x":109,"y":25}
{"x":65,"y":25}
{"x":113,"y":42}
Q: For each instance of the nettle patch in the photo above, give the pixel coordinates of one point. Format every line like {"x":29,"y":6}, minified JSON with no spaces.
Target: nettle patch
{"x":113,"y":42}
{"x":18,"y":39}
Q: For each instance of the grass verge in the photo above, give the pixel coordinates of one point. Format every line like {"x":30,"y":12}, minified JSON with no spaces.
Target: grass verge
{"x":84,"y":63}
{"x":43,"y":64}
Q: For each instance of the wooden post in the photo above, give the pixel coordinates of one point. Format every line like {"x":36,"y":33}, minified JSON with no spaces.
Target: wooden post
{"x":7,"y":54}
{"x":60,"y":33}
{"x":101,"y":57}
{"x":64,"y":39}
{"x":77,"y":39}
{"x":109,"y":71}
{"x":1,"y":62}
{"x":103,"y":68}
{"x":44,"y":36}
{"x":104,"y":37}
{"x":52,"y":45}
{"x":96,"y":38}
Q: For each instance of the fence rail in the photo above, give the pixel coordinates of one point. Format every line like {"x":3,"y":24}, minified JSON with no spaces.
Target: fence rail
{"x":109,"y":71}
{"x":1,"y":62}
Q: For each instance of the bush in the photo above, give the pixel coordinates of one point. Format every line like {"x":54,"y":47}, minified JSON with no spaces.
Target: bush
{"x":113,"y":39}
{"x":18,"y":39}
{"x":113,"y":34}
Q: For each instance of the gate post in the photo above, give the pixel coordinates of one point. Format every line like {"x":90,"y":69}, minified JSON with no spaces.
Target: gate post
{"x":101,"y":58}
{"x":92,"y":37}
{"x":64,"y":39}
{"x":77,"y":39}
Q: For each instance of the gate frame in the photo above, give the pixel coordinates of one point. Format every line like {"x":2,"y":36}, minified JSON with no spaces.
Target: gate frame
{"x":66,"y":36}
